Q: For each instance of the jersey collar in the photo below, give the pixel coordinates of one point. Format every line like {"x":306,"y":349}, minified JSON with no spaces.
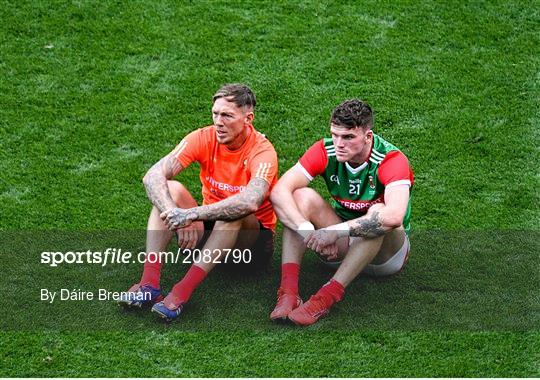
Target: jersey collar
{"x":355,"y":170}
{"x":361,"y":167}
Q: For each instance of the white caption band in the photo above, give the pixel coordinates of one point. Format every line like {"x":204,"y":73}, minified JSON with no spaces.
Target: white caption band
{"x":304,"y":228}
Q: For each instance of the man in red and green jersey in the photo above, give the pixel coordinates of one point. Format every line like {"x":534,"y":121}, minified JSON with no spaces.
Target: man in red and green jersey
{"x":366,"y":226}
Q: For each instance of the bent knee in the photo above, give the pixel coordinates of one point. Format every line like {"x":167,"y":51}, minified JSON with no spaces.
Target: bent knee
{"x":180,"y":194}
{"x":176,"y":188}
{"x":307,"y":198}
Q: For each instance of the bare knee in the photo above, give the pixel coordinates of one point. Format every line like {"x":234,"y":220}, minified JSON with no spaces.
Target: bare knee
{"x":314,"y":208}
{"x":176,"y":189}
{"x":180,"y":194}
{"x":306,"y":199}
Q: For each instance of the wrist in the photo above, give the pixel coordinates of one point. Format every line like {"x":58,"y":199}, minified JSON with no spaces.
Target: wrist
{"x":192,"y":215}
{"x":304,"y":228}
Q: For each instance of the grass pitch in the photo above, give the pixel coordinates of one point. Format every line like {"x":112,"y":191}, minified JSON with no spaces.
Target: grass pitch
{"x":92,"y":94}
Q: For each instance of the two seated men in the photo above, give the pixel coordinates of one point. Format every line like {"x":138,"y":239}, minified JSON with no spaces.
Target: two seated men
{"x":364,"y":229}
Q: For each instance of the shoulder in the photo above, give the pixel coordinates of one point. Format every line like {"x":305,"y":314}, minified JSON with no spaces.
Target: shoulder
{"x":260,"y":143}
{"x":382,"y":146}
{"x":315,"y":159}
{"x":381,"y":149}
{"x":319,"y":149}
{"x":393,"y":165}
{"x":207,"y":132}
{"x":328,"y":145}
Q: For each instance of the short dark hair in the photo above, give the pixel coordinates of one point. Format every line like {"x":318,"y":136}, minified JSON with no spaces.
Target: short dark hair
{"x":353,"y":113}
{"x":239,"y":94}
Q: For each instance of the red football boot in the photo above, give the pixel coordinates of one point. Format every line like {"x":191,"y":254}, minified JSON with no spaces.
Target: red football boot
{"x":309,"y":312}
{"x":286,"y":303}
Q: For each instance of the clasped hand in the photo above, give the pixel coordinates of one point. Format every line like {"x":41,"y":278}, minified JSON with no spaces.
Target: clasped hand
{"x":323,"y":242}
{"x":177,"y":218}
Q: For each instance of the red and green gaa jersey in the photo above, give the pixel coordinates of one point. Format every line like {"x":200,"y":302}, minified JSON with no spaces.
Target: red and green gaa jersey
{"x":355,"y":190}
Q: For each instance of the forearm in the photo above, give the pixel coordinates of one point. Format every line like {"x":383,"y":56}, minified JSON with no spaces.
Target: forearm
{"x":157,"y":190}
{"x":234,"y":207}
{"x":377,"y":222}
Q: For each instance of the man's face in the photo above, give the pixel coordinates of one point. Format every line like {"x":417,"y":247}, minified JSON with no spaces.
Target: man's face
{"x":352,"y":145}
{"x":231,"y":122}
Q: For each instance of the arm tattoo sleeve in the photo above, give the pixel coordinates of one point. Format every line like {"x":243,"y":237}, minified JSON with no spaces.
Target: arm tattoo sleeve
{"x":155,"y":182}
{"x":237,"y":206}
{"x":368,"y":226}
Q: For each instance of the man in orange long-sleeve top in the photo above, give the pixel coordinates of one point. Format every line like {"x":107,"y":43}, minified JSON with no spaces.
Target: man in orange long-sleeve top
{"x":238,"y":168}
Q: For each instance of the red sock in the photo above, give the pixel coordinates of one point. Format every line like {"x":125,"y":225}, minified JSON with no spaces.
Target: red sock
{"x":289,"y":277}
{"x":331,"y":292}
{"x":151,"y":271}
{"x":183,"y":289}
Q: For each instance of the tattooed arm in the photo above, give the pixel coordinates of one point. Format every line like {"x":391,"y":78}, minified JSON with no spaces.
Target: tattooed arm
{"x":232,"y":208}
{"x":379,"y":219}
{"x":155,"y":182}
{"x":382,"y":217}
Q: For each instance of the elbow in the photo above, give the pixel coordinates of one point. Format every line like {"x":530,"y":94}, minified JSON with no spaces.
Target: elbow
{"x":252,"y":208}
{"x":147,"y":178}
{"x":388,"y":216}
{"x":393,"y":222}
{"x":152,"y":175}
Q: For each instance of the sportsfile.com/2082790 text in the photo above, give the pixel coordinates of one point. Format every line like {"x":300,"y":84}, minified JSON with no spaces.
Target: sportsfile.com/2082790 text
{"x":118,"y":256}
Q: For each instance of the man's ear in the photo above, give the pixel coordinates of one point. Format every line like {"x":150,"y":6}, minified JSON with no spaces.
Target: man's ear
{"x":249,"y":117}
{"x":369,"y":134}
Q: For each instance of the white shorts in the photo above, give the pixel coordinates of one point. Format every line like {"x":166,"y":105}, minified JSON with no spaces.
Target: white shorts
{"x":392,"y":266}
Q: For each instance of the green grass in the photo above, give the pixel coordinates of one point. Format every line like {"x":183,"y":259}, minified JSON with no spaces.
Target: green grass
{"x":284,"y":354}
{"x":92,"y":94}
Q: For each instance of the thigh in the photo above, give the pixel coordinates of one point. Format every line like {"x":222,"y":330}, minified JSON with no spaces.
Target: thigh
{"x":246,"y":228}
{"x":392,"y":243}
{"x":315,"y":208}
{"x":250,"y":230}
{"x":255,"y":257}
{"x":255,"y":246}
{"x":392,"y":265}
